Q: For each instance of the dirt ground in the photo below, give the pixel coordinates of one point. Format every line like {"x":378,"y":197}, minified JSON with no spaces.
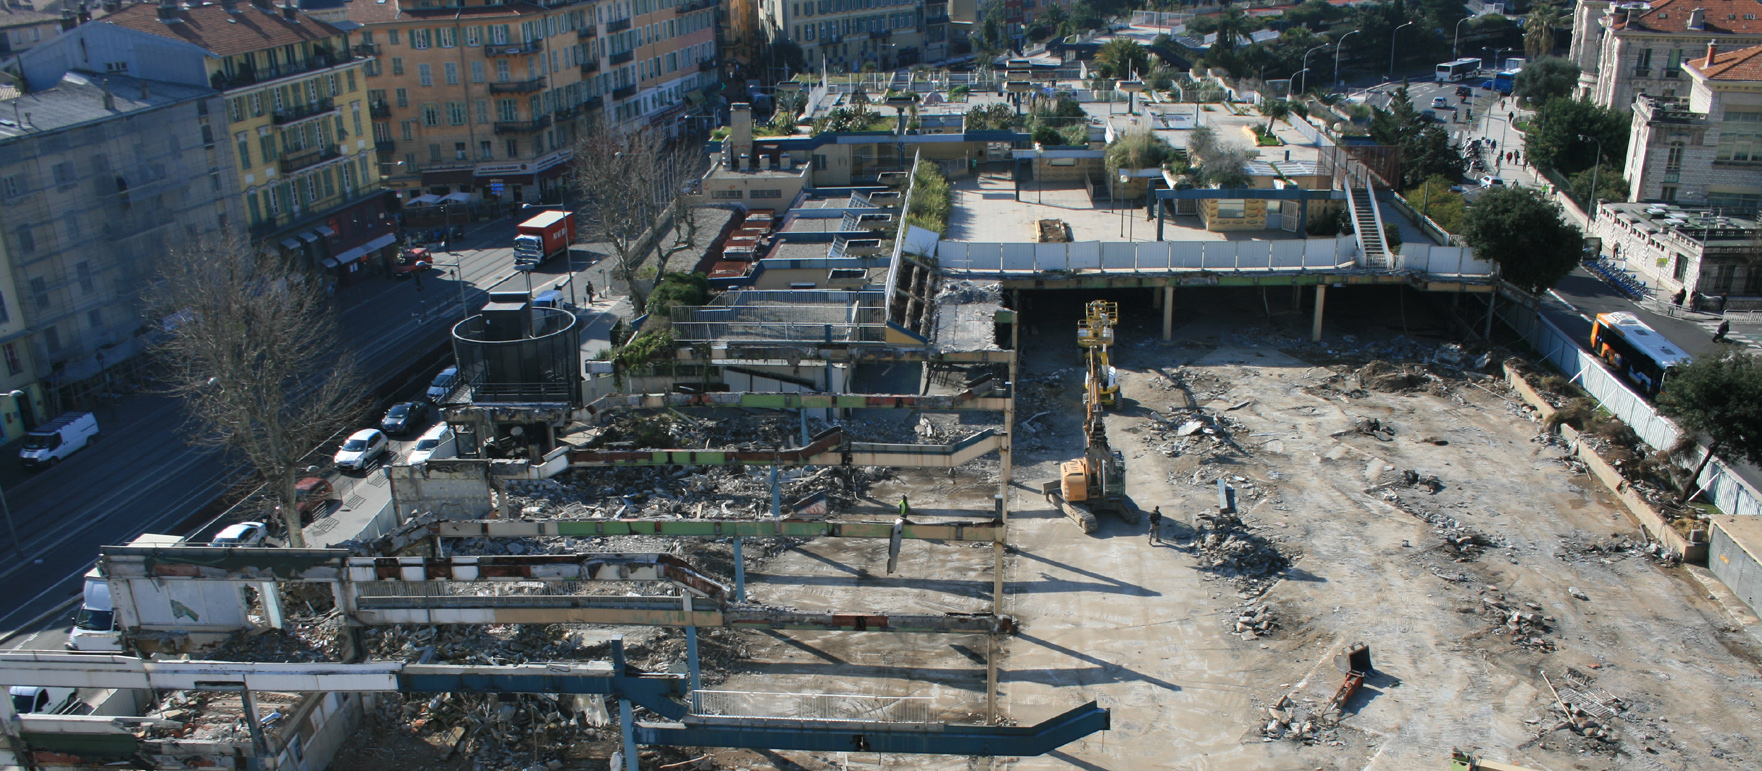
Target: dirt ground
{"x":1146,"y":632}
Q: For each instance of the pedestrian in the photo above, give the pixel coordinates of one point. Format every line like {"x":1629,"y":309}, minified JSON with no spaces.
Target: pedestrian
{"x":1156,"y":526}
{"x":1510,"y":116}
{"x":1719,"y":334}
{"x":905,"y":508}
{"x":1677,"y":298}
{"x":1724,"y":297}
{"x":1493,"y":144}
{"x":590,"y":293}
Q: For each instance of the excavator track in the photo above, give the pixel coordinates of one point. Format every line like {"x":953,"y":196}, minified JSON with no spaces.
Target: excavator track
{"x":1076,"y":512}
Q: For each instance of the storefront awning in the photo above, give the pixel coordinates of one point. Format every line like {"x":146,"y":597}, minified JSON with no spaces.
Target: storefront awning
{"x":363,"y":250}
{"x":290,"y":243}
{"x":324,"y":230}
{"x":424,"y":199}
{"x":554,"y":171}
{"x":309,"y":237}
{"x":456,"y":198}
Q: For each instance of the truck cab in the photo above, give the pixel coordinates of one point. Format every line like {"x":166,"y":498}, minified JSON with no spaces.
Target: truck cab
{"x":94,"y":626}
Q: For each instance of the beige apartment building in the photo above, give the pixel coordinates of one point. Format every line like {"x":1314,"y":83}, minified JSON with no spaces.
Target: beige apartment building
{"x":1625,"y":49}
{"x":853,"y":35}
{"x":486,"y":99}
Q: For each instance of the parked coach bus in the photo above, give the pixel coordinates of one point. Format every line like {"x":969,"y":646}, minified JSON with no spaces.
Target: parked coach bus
{"x":1635,"y":351}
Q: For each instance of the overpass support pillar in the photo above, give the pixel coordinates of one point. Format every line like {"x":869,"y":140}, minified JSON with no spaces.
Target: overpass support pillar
{"x":1168,"y":312}
{"x":1321,"y":299}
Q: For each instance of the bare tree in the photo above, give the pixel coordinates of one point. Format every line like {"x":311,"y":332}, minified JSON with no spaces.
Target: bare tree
{"x":251,"y":348}
{"x":625,"y":184}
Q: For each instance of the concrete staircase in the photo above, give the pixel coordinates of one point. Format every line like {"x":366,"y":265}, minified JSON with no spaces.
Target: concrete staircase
{"x":1367,"y":226}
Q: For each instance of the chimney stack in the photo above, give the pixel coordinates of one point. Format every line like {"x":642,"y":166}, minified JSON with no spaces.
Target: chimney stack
{"x":230,"y":6}
{"x":1712,"y":50}
{"x":290,"y":11}
{"x":85,"y":14}
{"x":167,"y":10}
{"x":68,"y":20}
{"x":263,"y":5}
{"x":109,"y":99}
{"x":111,"y":6}
{"x":740,"y":129}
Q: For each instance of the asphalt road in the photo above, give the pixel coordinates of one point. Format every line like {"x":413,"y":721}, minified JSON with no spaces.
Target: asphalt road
{"x":142,"y":477}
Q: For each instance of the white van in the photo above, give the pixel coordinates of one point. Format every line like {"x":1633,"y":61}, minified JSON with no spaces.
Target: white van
{"x":47,"y":444}
{"x":94,"y":627}
{"x":435,"y":443}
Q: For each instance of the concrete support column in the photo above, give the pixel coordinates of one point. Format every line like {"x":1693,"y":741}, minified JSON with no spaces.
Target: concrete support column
{"x":739,"y":573}
{"x":1168,"y":312}
{"x":1155,"y":298}
{"x":627,"y":726}
{"x":1321,"y":300}
{"x":691,"y":659}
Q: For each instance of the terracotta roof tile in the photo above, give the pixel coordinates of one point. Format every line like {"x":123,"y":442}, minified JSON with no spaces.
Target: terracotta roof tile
{"x":222,"y":33}
{"x":1741,"y":64}
{"x":389,"y":11}
{"x":1732,"y":17}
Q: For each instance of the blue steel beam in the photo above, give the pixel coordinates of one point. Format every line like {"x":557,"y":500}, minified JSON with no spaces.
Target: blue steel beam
{"x":908,"y":738}
{"x":653,"y":692}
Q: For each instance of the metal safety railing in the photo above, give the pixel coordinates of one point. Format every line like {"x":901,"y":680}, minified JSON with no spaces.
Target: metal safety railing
{"x":811,"y":706}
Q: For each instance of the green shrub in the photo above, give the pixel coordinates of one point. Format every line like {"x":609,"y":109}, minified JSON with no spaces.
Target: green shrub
{"x":932,"y":200}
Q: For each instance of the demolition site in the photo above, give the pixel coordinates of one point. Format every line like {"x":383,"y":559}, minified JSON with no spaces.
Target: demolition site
{"x":1006,"y":496}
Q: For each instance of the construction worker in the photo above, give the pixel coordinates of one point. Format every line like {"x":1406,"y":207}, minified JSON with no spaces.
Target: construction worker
{"x":905,"y":508}
{"x":1156,"y":526}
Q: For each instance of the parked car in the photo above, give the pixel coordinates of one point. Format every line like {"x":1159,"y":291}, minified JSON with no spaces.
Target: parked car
{"x":404,"y":417}
{"x":48,"y":444}
{"x":412,"y":262}
{"x":1430,"y":116}
{"x":443,"y":384}
{"x":1440,"y":103}
{"x":242,"y":534}
{"x":1491,"y":181}
{"x":1464,"y":92}
{"x":361,"y":449}
{"x":437,"y":442}
{"x":312,"y":493}
{"x":33,"y":699}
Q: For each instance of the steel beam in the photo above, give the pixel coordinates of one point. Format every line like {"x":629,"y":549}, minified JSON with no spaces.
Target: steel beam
{"x":707,"y":528}
{"x":539,"y":567}
{"x":653,"y":611}
{"x":970,"y":399}
{"x":827,"y":449}
{"x":232,"y":563}
{"x":900,"y":738}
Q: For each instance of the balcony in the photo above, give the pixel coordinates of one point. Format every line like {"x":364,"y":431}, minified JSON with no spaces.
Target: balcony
{"x":831,"y":40}
{"x":321,"y":59}
{"x":618,"y":25}
{"x":518,"y":86}
{"x":364,"y":50}
{"x":932,"y":21}
{"x":707,"y":65}
{"x":1642,"y":72}
{"x":594,"y":103}
{"x":385,"y":146}
{"x":566,"y":113}
{"x":623,"y":57}
{"x":588,"y":32}
{"x":514,"y":49}
{"x":624,"y":92}
{"x":693,"y":5}
{"x":379,"y":109}
{"x":523,"y":126}
{"x":590,"y":65}
{"x":302,"y":112}
{"x":309,"y":157}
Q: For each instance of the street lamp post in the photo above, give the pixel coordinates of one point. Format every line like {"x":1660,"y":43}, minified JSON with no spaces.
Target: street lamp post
{"x":1305,"y":69}
{"x":18,"y":398}
{"x":1457,"y":40}
{"x":1303,"y":74}
{"x":1337,"y":44}
{"x":1594,"y":170}
{"x":1392,"y":39}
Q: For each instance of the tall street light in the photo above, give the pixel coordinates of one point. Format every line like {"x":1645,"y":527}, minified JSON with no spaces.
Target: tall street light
{"x":1337,"y":44}
{"x":1305,"y":69}
{"x":1594,"y":170}
{"x":1392,"y":39}
{"x":1458,"y":39}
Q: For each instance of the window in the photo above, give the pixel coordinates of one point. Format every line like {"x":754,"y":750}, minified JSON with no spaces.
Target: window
{"x":257,"y":104}
{"x":473,"y":35}
{"x":483,"y":111}
{"x":95,"y":318}
{"x":403,"y":98}
{"x":456,"y":113}
{"x":392,"y":36}
{"x":1740,"y":137}
{"x":502,"y":73}
{"x":508,"y":110}
{"x":355,"y":111}
{"x":1723,"y":276}
{"x":1667,"y":192}
{"x":409,"y":128}
{"x":420,"y":39}
{"x":83,"y":270}
{"x":459,"y":151}
{"x":425,"y":74}
{"x":13,"y":364}
{"x":71,"y":223}
{"x":434,"y":153}
{"x":254,"y":209}
{"x":513,"y":149}
{"x":244,"y":144}
{"x":397,"y":65}
{"x":235,"y":109}
{"x":52,"y":339}
{"x":477,"y":72}
{"x":63,"y":174}
{"x":410,"y":163}
{"x":485,"y":150}
{"x":767,"y":194}
{"x":819,"y":162}
{"x":266,"y":143}
{"x":1736,"y":200}
{"x":40,"y":292}
{"x":27,"y":243}
{"x":431,"y":114}
{"x":351,"y":76}
{"x":448,"y":37}
{"x":1673,"y":158}
{"x":12,"y":186}
{"x":727,"y":194}
{"x":1232,"y":208}
{"x":452,"y":73}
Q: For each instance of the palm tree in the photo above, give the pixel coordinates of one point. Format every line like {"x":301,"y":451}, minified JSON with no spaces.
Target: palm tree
{"x":1119,"y":58}
{"x":1539,"y":28}
{"x":1231,"y":24}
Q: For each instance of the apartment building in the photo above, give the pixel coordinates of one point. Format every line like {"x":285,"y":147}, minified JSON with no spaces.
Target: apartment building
{"x":23,"y":27}
{"x":99,"y":175}
{"x":1624,"y":49}
{"x":851,"y":35}
{"x":295,"y":124}
{"x":488,"y":98}
{"x":1705,"y":150}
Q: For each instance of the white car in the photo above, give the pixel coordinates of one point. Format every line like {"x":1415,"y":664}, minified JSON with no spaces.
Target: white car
{"x":1489,"y":181}
{"x":33,"y":699}
{"x":242,"y":534}
{"x":437,"y":442}
{"x":1440,"y":102}
{"x":361,"y":449}
{"x":443,"y":384}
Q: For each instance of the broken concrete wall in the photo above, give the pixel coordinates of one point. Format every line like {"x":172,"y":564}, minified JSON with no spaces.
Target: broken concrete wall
{"x":453,"y":488}
{"x":177,"y":616}
{"x":1735,"y":557}
{"x":323,"y":722}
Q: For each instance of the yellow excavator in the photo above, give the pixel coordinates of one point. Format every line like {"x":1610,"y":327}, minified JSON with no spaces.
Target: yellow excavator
{"x":1096,"y":482}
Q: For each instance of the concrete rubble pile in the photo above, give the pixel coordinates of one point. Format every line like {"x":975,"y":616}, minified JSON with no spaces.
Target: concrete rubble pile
{"x":1299,"y":722}
{"x":1230,"y":549}
{"x":516,"y":731}
{"x":1523,"y":623}
{"x":1578,"y":547}
{"x":1464,"y":542}
{"x":707,"y":492}
{"x":1383,"y":376}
